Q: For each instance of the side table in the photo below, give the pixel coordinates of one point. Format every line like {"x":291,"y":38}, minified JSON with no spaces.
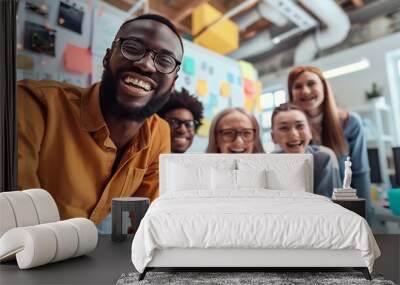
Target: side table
{"x":358,"y":205}
{"x":124,"y":208}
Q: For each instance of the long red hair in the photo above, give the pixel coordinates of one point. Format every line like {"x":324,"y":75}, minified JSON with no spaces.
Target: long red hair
{"x":332,"y":132}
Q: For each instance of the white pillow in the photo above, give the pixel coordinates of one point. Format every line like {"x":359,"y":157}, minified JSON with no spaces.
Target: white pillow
{"x":278,"y":180}
{"x":252,"y":178}
{"x":282,"y":173}
{"x":223,"y":179}
{"x":188,"y":177}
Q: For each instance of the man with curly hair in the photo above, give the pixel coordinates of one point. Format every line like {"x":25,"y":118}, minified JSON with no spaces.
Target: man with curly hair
{"x":183,"y":112}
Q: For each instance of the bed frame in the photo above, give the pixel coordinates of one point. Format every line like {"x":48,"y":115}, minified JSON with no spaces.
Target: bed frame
{"x":242,"y":259}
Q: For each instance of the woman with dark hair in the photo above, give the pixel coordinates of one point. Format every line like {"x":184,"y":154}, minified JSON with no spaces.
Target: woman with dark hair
{"x":234,"y":130}
{"x":332,"y":127}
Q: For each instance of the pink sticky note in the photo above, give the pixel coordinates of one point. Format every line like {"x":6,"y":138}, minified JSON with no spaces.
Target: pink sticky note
{"x":249,"y":87}
{"x":77,"y":59}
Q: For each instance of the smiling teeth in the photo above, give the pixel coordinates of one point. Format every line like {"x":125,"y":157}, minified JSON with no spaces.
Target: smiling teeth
{"x":136,"y":82}
{"x":237,"y":150}
{"x":294,"y":144}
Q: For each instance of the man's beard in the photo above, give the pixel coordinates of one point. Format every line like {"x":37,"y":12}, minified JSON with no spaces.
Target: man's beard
{"x":108,"y":99}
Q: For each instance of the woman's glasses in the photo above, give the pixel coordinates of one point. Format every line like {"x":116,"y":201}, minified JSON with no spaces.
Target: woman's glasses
{"x":230,"y":135}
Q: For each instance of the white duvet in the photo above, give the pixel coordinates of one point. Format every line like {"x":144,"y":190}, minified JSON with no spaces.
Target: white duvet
{"x":253,"y":218}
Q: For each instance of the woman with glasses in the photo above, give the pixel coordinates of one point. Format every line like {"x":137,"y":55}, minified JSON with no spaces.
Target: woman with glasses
{"x":234,"y":130}
{"x":183,"y":113}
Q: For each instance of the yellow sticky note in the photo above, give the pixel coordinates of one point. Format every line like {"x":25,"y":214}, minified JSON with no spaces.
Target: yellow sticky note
{"x":202,"y":88}
{"x":258,"y":88}
{"x":247,"y":70}
{"x":225,"y":89}
{"x":204,"y":129}
{"x":248,"y":104}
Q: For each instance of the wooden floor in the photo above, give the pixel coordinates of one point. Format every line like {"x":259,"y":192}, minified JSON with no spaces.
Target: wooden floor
{"x":389,"y":262}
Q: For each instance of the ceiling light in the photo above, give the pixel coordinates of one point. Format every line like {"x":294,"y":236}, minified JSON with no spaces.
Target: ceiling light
{"x":349,"y":68}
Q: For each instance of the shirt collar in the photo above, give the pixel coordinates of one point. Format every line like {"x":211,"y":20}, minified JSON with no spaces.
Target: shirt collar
{"x":92,"y":118}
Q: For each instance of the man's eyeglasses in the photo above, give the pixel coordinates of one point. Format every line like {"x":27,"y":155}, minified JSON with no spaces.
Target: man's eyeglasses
{"x":230,"y":135}
{"x":134,"y":50}
{"x":189,"y":124}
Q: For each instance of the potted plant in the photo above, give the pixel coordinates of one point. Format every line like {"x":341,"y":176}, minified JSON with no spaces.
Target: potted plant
{"x":375,"y":92}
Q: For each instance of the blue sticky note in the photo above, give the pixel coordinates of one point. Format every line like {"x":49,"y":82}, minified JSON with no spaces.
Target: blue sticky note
{"x":188,"y":65}
{"x":213,"y":100}
{"x":231,"y":78}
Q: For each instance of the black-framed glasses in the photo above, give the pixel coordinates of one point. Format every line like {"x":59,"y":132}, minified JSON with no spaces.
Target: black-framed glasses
{"x":230,"y":135}
{"x":177,"y":123}
{"x":133,"y":49}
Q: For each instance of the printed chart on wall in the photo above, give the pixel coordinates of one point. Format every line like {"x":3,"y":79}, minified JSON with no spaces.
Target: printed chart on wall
{"x":215,"y":79}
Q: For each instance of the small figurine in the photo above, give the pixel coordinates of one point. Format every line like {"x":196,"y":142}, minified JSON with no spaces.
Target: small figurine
{"x":347,"y":174}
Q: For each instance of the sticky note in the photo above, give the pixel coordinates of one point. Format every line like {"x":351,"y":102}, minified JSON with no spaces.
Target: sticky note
{"x":77,"y":59}
{"x":248,"y":104}
{"x":230,"y":78}
{"x":188,"y":65}
{"x":247,"y":70}
{"x":225,"y":89}
{"x":202,"y":88}
{"x":24,"y":62}
{"x":257,"y":88}
{"x":204,"y":129}
{"x":249,"y":88}
{"x":213,"y":100}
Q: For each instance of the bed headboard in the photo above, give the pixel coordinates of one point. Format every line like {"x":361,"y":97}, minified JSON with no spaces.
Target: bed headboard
{"x":287,"y":167}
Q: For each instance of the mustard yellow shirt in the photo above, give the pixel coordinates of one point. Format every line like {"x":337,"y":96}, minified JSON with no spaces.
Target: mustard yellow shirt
{"x":64,"y":147}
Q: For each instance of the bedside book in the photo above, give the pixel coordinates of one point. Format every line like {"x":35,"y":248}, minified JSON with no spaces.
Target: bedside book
{"x":345,"y":194}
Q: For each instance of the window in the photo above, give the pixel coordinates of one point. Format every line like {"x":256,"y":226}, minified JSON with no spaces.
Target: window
{"x":271,"y":98}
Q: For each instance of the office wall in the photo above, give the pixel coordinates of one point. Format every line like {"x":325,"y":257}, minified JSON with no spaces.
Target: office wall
{"x":53,"y":67}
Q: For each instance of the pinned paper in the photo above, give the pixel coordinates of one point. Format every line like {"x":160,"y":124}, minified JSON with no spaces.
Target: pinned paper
{"x":249,"y":104}
{"x":258,"y":88}
{"x":225,"y":89}
{"x":247,"y":70}
{"x":202,"y":88}
{"x":188,"y":65}
{"x":213,"y":100}
{"x":77,"y":59}
{"x":204,"y":129}
{"x":231,"y":78}
{"x":249,"y":88}
{"x":24,"y":62}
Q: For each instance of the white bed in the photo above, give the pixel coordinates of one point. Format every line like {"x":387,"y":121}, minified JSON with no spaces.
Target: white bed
{"x":255,"y":210}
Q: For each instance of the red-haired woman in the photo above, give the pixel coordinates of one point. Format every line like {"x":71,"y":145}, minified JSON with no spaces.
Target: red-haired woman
{"x":335,"y":128}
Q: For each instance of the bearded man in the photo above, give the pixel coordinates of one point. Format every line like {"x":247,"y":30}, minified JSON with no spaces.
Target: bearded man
{"x":86,"y":146}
